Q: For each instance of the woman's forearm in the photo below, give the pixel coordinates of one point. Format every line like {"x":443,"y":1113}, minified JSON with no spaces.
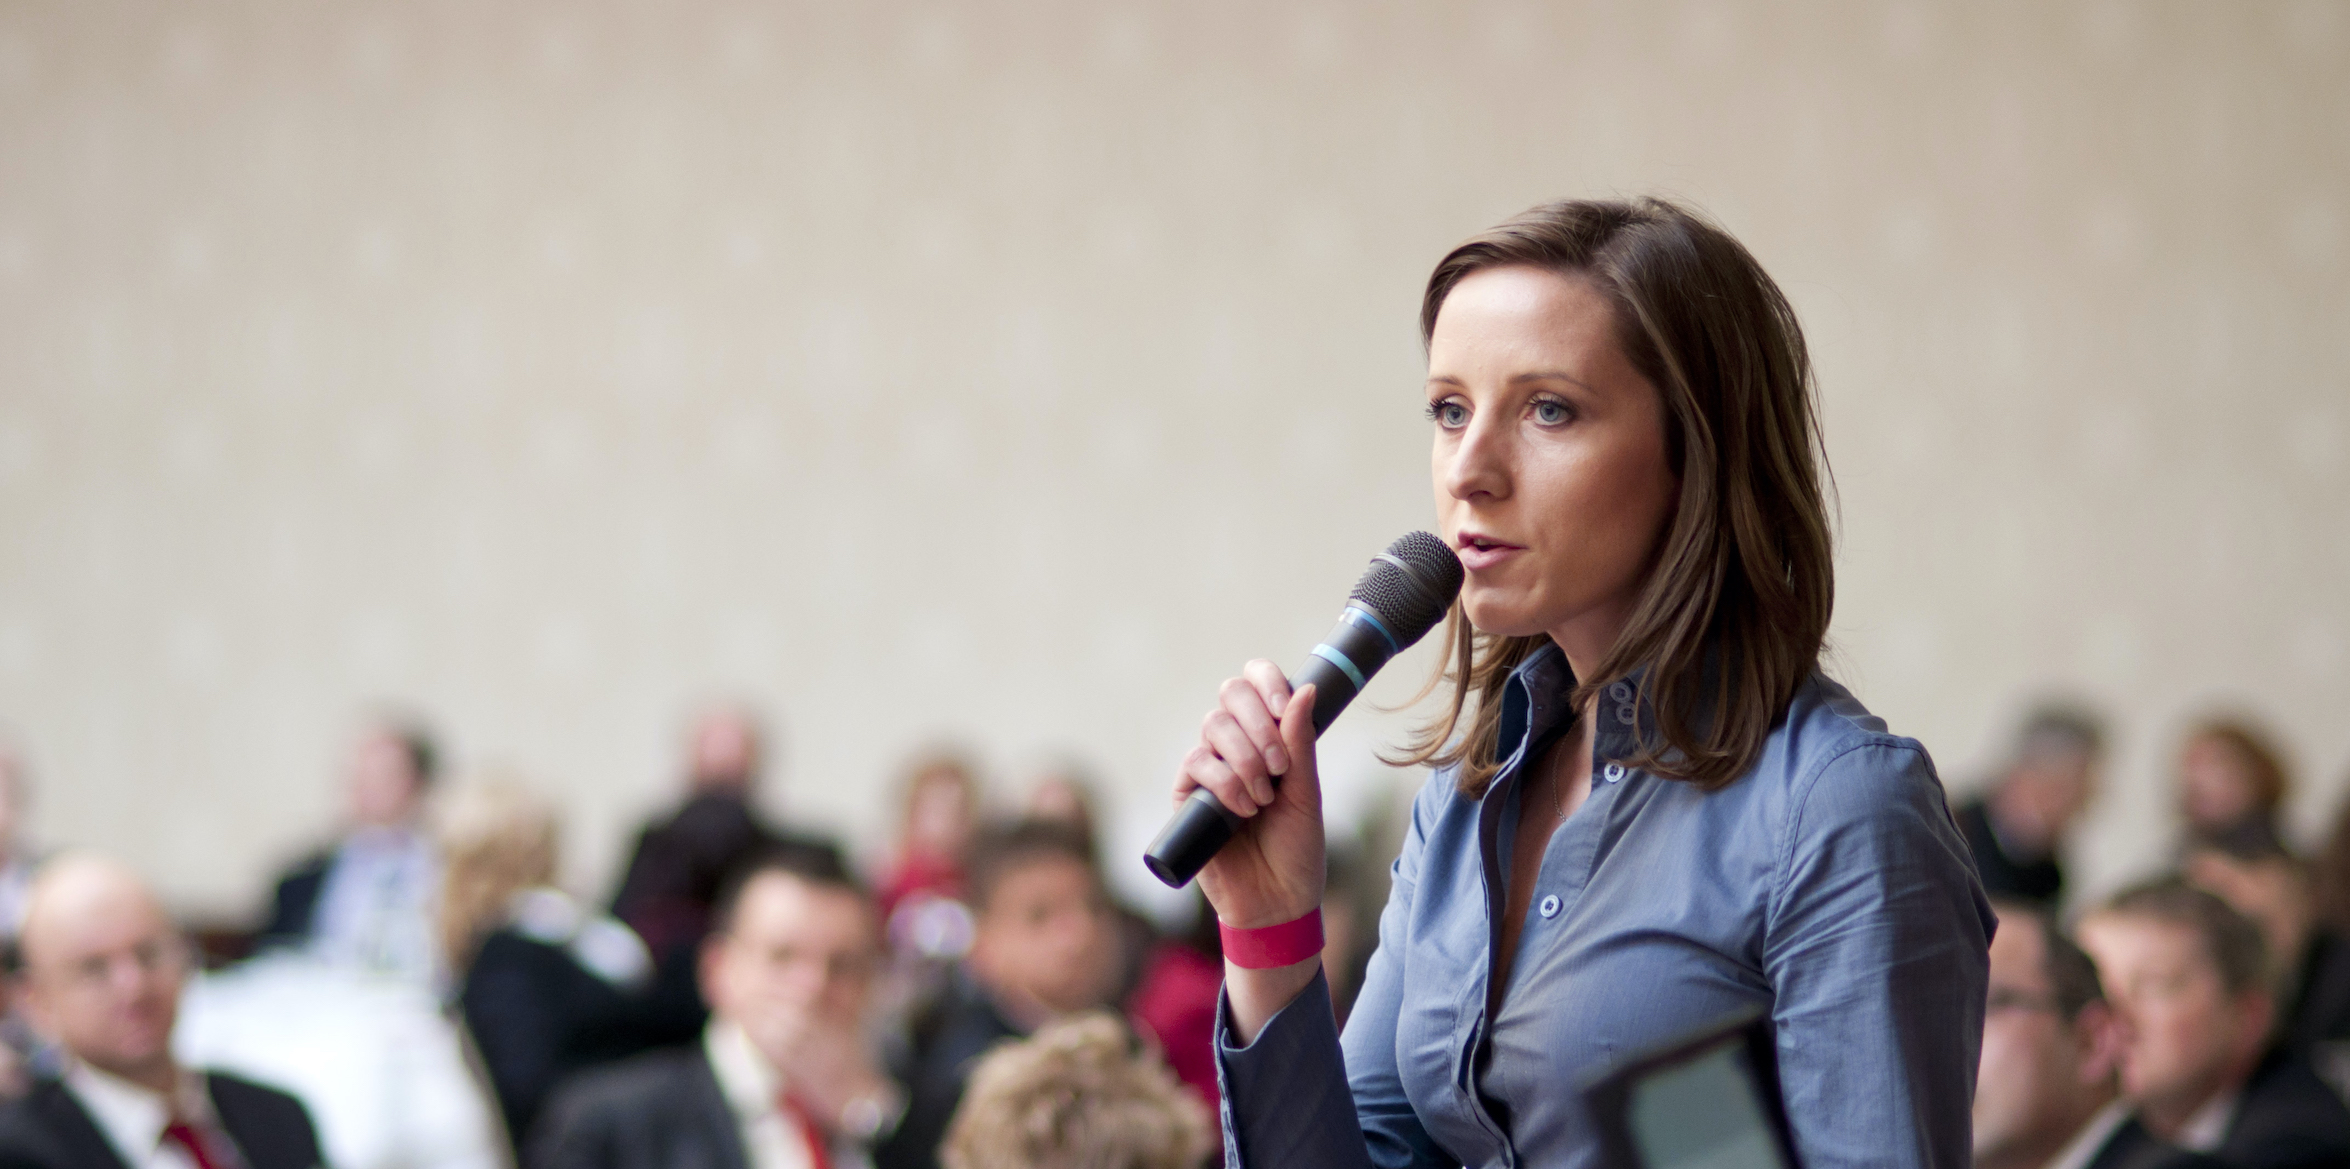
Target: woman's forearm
{"x":1258,"y":995}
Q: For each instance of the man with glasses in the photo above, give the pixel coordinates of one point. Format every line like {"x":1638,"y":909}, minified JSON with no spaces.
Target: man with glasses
{"x":2045,"y":1092}
{"x":101,"y":978}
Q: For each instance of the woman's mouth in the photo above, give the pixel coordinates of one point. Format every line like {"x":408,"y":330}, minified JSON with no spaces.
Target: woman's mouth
{"x":1479,"y":551}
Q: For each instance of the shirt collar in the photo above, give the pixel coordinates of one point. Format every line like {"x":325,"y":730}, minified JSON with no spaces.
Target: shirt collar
{"x":134,"y":1116}
{"x":750,"y":1084}
{"x":2090,"y":1141}
{"x":2204,"y":1131}
{"x":1534,"y":708}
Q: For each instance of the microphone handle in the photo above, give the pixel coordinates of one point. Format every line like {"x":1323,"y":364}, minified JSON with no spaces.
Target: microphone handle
{"x":1338,"y":670}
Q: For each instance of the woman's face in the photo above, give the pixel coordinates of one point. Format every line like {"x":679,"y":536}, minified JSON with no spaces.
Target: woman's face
{"x":2215,"y":783}
{"x":1552,"y":478}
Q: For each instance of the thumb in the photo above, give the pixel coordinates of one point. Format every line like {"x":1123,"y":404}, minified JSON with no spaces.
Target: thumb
{"x":1297,"y":737}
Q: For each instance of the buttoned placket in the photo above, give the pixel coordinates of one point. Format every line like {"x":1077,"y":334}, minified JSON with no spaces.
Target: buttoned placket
{"x":1569,"y":858}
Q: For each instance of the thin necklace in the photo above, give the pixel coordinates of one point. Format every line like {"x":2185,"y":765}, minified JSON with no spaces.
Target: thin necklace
{"x":1558,"y":782}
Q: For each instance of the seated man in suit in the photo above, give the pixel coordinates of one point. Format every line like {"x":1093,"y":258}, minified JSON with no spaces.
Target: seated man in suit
{"x":102,"y":969}
{"x":368,"y":899}
{"x":2045,"y":1093}
{"x":1045,"y":945}
{"x":784,"y":1077}
{"x":2189,"y":977}
{"x":2017,"y":828}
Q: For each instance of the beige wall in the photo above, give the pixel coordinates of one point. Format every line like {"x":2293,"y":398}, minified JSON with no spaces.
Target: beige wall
{"x":1009,"y":373}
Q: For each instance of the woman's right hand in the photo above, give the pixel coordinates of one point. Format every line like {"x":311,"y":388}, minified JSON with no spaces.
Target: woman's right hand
{"x":1272,"y":871}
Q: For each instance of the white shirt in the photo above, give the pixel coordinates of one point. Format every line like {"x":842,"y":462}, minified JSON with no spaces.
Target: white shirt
{"x":2090,"y":1141}
{"x":133,"y":1117}
{"x":2204,"y":1131}
{"x":375,"y":908}
{"x":752,"y":1088}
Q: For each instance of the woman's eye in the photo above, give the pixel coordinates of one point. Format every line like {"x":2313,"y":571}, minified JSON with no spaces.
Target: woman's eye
{"x":1550,"y":412}
{"x":1449,"y":415}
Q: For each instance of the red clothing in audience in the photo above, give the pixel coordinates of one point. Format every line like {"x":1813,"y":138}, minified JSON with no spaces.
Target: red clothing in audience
{"x":1176,"y":1001}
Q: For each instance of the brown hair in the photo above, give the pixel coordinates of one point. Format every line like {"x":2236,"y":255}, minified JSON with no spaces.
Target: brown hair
{"x":1006,"y":848}
{"x":2230,"y":940}
{"x":1735,"y":609}
{"x":1078,"y":1095}
{"x":2264,"y":764}
{"x":2330,"y":874}
{"x":2071,"y":973}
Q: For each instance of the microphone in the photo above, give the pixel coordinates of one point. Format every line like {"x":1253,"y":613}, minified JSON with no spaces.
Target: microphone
{"x":1402,"y":595}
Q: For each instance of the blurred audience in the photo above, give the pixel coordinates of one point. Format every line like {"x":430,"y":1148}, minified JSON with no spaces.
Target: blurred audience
{"x":17,"y":855}
{"x":102,"y":974}
{"x":1080,"y":1094}
{"x":1045,"y":945}
{"x":2309,"y":961}
{"x":785,"y":1076}
{"x":2189,"y":978}
{"x":546,"y":987}
{"x":367,"y":900}
{"x":2017,"y":829}
{"x":1063,"y":794}
{"x":2047,"y":1093}
{"x":680,"y":861}
{"x":938,"y":817}
{"x":2232,"y":784}
{"x":1175,"y":1003}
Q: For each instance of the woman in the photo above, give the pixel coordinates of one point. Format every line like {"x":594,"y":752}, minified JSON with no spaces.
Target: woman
{"x":2232,"y":785}
{"x":545,"y":987}
{"x":1649,"y":809}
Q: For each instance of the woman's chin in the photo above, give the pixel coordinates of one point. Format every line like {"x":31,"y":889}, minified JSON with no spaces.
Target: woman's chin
{"x":1497,"y":617}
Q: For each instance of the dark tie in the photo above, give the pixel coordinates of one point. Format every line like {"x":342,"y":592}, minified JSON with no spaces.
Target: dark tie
{"x":194,"y":1141}
{"x":818,"y":1155}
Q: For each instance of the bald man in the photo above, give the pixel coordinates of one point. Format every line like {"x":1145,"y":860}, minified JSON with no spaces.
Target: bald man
{"x":102,"y":970}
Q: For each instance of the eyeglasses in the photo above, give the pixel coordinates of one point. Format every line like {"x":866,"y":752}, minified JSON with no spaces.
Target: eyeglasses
{"x":2009,"y":999}
{"x":150,"y":958}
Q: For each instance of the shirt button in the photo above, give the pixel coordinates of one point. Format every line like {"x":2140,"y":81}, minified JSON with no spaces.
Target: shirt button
{"x":1613,"y":772}
{"x":1621,"y":692}
{"x":1626,"y":714}
{"x":1550,"y":906}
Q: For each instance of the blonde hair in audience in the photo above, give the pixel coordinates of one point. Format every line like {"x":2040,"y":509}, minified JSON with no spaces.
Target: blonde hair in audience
{"x":497,"y":838}
{"x":1078,"y":1094}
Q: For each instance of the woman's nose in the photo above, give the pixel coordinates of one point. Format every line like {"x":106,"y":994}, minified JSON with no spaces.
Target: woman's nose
{"x":1479,"y":464}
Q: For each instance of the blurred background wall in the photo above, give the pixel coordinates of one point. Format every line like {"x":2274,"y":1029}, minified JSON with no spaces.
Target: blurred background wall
{"x":1009,"y":373}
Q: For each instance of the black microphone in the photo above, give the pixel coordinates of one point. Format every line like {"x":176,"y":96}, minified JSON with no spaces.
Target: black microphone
{"x":1401,"y":597}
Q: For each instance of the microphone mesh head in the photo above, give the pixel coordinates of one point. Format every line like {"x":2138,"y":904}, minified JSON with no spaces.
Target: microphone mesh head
{"x":1410,"y":585}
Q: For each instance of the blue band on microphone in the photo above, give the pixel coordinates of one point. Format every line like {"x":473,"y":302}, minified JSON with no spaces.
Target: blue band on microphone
{"x":1358,"y":615}
{"x":1339,"y":660}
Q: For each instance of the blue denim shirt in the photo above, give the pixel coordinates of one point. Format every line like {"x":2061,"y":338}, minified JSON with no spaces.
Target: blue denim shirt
{"x":1828,"y":886}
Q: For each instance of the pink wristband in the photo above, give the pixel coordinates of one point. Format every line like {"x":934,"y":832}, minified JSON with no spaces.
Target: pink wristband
{"x":1274,"y":946}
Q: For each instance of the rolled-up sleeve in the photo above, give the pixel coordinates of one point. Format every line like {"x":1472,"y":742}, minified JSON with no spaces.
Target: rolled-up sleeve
{"x":1877,"y":948}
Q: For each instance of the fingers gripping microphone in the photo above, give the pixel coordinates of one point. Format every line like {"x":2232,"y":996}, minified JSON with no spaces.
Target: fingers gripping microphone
{"x":1400,"y":598}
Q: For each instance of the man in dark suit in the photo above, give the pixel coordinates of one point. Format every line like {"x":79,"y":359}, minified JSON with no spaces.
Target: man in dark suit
{"x":783,"y":1077}
{"x":367,"y":899}
{"x":2190,"y":978}
{"x":1045,"y":945}
{"x":102,"y":970}
{"x":2016,"y":828}
{"x":2045,"y":1093}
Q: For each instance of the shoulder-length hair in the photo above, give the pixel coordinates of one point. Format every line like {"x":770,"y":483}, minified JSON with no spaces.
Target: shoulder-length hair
{"x":1735,"y":608}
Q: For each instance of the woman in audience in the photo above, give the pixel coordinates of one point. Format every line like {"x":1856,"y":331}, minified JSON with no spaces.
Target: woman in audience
{"x":1079,"y":1095}
{"x":2231,"y":784}
{"x":545,"y":986}
{"x":938,"y":818}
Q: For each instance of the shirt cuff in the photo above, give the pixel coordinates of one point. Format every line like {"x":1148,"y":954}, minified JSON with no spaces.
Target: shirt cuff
{"x":1284,"y":1091}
